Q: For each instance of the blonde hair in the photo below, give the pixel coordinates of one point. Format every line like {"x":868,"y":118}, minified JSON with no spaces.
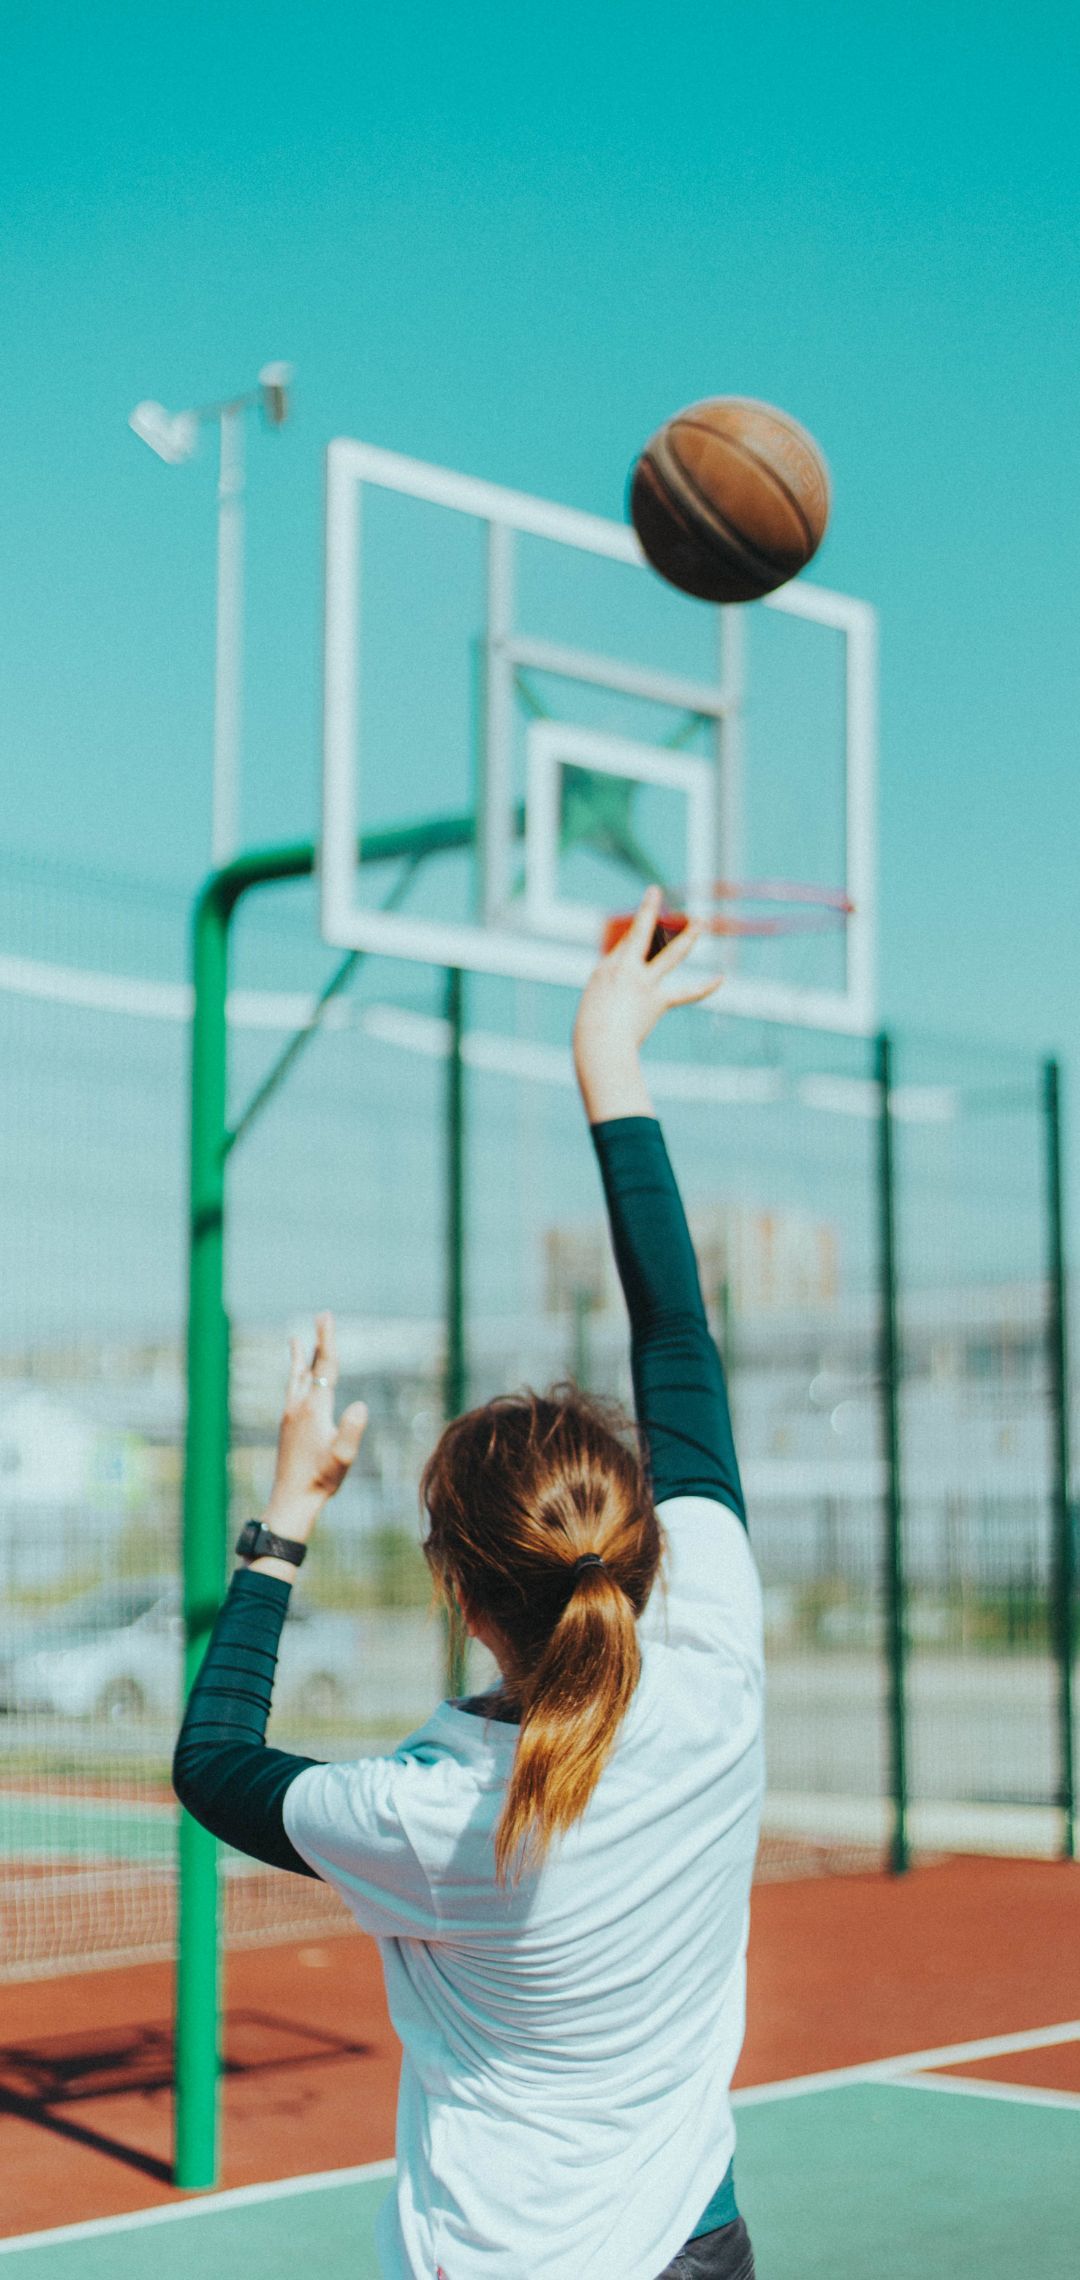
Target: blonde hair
{"x":516,"y":1493}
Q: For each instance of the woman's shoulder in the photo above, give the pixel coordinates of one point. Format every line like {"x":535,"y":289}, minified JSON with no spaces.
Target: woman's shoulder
{"x":707,"y":1597}
{"x":468,"y":1735}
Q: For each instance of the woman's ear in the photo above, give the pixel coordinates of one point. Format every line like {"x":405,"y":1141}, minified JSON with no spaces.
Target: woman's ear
{"x":479,"y":1627}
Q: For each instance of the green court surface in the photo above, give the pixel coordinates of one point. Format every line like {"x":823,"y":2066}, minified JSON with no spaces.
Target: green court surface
{"x":98,"y":1832}
{"x":46,"y":1827}
{"x":868,"y":2180}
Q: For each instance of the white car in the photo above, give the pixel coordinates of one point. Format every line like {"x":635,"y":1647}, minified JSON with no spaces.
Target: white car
{"x":117,"y":1654}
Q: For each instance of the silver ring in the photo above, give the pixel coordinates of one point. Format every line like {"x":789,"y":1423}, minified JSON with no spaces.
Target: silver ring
{"x":320,"y":1381}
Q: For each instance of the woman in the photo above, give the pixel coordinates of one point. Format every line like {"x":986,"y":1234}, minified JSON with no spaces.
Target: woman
{"x":557,"y":1874}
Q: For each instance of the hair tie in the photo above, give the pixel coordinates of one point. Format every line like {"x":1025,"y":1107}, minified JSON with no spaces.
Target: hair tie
{"x":587,"y":1560}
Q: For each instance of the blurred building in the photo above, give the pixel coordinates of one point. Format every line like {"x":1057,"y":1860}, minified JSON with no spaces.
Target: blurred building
{"x":91,"y":1436}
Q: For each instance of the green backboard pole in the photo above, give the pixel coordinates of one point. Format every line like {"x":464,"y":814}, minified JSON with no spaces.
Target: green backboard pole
{"x":206,"y":1468}
{"x":205,"y":1518}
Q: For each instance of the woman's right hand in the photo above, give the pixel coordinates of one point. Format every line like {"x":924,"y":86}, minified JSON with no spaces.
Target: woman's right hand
{"x":622,"y":1001}
{"x":314,"y":1453}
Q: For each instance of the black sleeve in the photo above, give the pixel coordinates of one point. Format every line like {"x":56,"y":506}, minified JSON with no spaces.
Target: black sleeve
{"x":679,"y":1387}
{"x":222,"y":1769}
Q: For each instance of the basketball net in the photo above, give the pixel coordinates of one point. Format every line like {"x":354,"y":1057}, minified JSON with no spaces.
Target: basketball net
{"x":792,"y":907}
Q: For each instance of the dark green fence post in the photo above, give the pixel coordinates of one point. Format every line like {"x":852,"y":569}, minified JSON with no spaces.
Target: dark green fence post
{"x":206,"y":1505}
{"x":889,"y":1378}
{"x":581,"y":1357}
{"x":455,"y":1370}
{"x":1064,"y":1565}
{"x":728,"y":1321}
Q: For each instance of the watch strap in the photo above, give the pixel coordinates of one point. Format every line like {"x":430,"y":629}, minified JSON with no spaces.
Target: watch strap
{"x":255,"y":1542}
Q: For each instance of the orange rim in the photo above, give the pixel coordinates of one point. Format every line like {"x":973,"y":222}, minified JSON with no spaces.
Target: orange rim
{"x":813,"y":910}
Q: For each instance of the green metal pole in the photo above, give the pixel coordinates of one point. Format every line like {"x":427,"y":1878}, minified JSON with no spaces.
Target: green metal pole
{"x":455,"y":1372}
{"x":206,"y":1503}
{"x":889,"y":1374}
{"x":1064,"y":1585}
{"x":206,"y":1482}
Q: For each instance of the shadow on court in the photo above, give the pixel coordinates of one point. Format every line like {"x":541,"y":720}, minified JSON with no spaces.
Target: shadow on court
{"x":310,"y":2079}
{"x":46,"y":2082}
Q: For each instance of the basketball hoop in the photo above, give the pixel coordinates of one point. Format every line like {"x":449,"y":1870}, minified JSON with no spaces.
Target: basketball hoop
{"x":805,"y":909}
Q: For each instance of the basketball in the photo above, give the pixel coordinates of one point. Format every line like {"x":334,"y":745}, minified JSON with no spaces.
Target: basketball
{"x":730,"y":499}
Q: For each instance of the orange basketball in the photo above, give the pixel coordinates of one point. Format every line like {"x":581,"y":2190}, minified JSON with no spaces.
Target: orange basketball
{"x":730,"y":498}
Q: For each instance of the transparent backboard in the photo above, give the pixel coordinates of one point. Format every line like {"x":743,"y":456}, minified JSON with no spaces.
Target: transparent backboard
{"x":512,"y":670}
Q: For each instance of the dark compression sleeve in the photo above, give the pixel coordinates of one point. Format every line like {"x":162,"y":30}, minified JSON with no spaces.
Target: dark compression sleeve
{"x":679,"y":1387}
{"x":222,"y":1769}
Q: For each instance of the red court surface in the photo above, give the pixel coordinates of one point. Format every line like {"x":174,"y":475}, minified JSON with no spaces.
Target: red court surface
{"x":842,"y":1971}
{"x":1057,"y":2068}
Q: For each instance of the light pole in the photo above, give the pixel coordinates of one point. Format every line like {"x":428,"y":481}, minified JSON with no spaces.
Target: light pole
{"x":174,"y":436}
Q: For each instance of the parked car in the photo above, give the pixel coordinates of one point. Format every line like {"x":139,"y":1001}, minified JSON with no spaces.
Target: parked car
{"x":117,"y":1654}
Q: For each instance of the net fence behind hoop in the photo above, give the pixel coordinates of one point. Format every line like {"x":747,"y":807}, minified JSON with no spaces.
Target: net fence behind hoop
{"x":337,"y":1198}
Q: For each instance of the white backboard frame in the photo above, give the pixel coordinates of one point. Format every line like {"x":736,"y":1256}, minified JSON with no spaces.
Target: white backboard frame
{"x":551,"y":746}
{"x":503,"y":940}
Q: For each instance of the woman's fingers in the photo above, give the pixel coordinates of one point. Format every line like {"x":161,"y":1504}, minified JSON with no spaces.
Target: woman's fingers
{"x":676,"y":950}
{"x":667,"y":960}
{"x":640,"y":932}
{"x":314,"y":1453}
{"x":671,"y":958}
{"x":324,"y":1366}
{"x":297,"y":1371}
{"x":320,"y":1374}
{"x":350,"y":1432}
{"x":693,"y":992}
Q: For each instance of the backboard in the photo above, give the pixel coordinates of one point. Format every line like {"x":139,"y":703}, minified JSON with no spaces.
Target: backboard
{"x":494,"y":655}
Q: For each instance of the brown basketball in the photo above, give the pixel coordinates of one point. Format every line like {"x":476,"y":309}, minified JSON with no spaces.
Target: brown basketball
{"x":730,"y":498}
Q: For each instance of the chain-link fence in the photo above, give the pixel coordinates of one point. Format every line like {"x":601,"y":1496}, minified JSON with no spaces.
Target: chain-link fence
{"x":338,"y":1196}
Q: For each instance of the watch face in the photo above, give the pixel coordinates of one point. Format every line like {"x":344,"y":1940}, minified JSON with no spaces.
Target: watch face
{"x":248,"y":1539}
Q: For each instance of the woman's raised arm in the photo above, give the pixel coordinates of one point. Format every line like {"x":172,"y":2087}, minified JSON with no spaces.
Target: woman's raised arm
{"x":679,"y":1387}
{"x":223,"y":1770}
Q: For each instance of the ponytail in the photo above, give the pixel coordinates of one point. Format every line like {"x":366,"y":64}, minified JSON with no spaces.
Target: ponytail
{"x":541,"y":1520}
{"x":572,"y":1706}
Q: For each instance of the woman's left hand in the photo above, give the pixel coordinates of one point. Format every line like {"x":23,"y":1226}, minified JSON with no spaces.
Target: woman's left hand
{"x":623,"y":999}
{"x":314,"y":1454}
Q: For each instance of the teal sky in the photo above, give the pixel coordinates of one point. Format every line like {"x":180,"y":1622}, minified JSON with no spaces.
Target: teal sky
{"x":512,"y":241}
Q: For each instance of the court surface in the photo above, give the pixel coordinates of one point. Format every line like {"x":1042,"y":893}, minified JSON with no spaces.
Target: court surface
{"x":908,"y":2096}
{"x":898,"y":2168}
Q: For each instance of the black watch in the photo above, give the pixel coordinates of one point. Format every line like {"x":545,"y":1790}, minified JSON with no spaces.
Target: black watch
{"x":258,"y":1543}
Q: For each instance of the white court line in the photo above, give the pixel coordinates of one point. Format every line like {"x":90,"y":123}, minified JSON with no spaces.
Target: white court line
{"x":970,"y":2086}
{"x":208,"y":2204}
{"x":911,"y":2062}
{"x":903,"y":2070}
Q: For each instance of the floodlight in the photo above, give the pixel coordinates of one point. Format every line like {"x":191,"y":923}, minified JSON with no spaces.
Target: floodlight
{"x":274,"y":381}
{"x":173,"y":435}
